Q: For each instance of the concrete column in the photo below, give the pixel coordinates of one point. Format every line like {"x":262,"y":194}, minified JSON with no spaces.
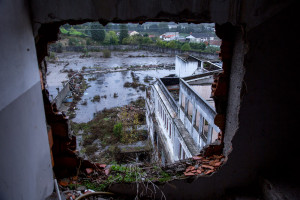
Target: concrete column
{"x":209,"y":134}
{"x":200,"y":124}
{"x":186,"y":105}
{"x":193,"y":117}
{"x":180,"y":98}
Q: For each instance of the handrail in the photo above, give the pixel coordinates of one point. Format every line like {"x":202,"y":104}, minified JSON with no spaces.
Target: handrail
{"x":201,"y":75}
{"x":168,"y":95}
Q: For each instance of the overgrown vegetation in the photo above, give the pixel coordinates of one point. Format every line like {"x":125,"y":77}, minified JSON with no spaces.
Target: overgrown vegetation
{"x":135,"y":84}
{"x":110,"y":127}
{"x":77,"y":94}
{"x":93,"y":33}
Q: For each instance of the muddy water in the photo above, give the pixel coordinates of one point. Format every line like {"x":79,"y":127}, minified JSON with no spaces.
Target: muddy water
{"x":108,"y":84}
{"x":118,"y":59}
{"x":72,"y":60}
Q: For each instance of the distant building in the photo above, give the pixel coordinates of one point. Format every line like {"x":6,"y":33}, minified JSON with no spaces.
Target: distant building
{"x":168,"y":36}
{"x":180,"y":116}
{"x":132,"y":33}
{"x":190,"y":65}
{"x":215,"y":43}
{"x":172,"y":26}
{"x":200,"y":37}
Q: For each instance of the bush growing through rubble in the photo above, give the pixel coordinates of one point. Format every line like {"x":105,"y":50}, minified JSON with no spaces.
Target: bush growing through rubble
{"x":118,"y":129}
{"x":106,"y":53}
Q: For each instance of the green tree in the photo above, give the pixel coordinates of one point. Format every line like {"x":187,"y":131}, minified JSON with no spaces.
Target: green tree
{"x":146,"y":40}
{"x":200,"y":46}
{"x":73,"y":42}
{"x":123,"y":32}
{"x":186,"y":47}
{"x":172,"y":44}
{"x":111,"y":38}
{"x":127,"y":40}
{"x":97,"y":32}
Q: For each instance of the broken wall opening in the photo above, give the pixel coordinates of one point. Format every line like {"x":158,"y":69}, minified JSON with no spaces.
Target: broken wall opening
{"x":182,"y":153}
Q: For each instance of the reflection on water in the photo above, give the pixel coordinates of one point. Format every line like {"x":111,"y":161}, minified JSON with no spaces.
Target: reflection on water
{"x":72,"y":60}
{"x":118,"y":59}
{"x":108,"y":84}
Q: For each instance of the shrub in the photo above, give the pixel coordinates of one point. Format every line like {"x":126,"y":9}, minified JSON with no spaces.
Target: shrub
{"x":118,"y":129}
{"x":57,"y":47}
{"x":73,"y":42}
{"x":52,"y":56}
{"x":96,"y":98}
{"x":172,"y":44}
{"x":200,"y":46}
{"x":88,"y":42}
{"x":106,"y":53}
{"x":186,"y":47}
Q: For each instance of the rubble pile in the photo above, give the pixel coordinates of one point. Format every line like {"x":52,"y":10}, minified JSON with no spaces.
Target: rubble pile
{"x":87,"y":181}
{"x":204,"y":165}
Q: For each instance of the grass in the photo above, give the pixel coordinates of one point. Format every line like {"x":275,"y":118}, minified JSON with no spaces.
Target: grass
{"x":128,"y":174}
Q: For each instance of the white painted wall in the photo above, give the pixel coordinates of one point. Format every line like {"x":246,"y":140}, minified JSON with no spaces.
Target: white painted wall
{"x":25,"y":169}
{"x":183,"y":69}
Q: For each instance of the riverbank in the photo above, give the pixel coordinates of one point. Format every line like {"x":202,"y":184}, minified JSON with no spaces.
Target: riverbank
{"x":124,"y":48}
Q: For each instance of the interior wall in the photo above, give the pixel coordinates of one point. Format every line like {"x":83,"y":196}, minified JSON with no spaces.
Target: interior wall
{"x":25,"y":169}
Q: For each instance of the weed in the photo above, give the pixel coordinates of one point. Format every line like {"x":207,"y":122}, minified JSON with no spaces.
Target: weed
{"x":96,"y":98}
{"x":92,"y":79}
{"x":106,"y":53}
{"x":118,"y":129}
{"x":84,"y":103}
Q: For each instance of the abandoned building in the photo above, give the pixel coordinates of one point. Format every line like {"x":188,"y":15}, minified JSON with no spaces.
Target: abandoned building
{"x":180,"y":112}
{"x":191,"y":65}
{"x":255,"y":95}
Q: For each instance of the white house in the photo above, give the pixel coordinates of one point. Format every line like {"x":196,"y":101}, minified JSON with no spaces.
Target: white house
{"x":168,"y":36}
{"x":132,"y":33}
{"x":200,"y":37}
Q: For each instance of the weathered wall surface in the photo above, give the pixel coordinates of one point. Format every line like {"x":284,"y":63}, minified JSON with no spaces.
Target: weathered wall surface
{"x":185,"y":68}
{"x":25,"y":169}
